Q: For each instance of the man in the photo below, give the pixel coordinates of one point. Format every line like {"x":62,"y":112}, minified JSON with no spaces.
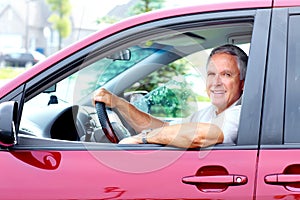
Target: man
{"x":218,"y":123}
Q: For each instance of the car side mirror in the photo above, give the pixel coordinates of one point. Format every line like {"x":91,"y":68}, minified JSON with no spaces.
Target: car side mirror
{"x":8,"y":118}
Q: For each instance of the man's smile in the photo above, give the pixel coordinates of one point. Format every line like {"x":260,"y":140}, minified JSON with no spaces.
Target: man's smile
{"x":218,"y":91}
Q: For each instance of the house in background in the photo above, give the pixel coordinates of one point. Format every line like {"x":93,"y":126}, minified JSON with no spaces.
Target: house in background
{"x":24,"y":24}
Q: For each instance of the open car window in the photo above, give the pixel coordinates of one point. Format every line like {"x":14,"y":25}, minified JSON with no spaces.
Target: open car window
{"x":163,"y":75}
{"x":176,"y":90}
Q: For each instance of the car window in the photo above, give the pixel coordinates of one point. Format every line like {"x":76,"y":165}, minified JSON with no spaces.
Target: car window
{"x":16,"y":55}
{"x":173,"y":91}
{"x":26,"y":56}
{"x":176,"y":90}
{"x":164,"y":76}
{"x":292,"y":114}
{"x":82,"y":83}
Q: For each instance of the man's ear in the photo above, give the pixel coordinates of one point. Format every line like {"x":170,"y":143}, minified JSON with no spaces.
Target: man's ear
{"x":242,"y":84}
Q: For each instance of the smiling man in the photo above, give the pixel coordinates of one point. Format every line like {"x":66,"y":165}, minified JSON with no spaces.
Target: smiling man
{"x":218,"y":123}
{"x":224,"y":82}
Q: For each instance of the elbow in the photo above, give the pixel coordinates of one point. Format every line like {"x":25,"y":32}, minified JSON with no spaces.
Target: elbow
{"x":199,"y":142}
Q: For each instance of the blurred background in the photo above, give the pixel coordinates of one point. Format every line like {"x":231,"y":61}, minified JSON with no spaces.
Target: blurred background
{"x":46,"y":26}
{"x":31,"y":30}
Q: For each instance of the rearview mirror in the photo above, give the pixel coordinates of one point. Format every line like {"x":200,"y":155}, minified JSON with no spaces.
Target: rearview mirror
{"x":121,"y":55}
{"x":50,"y":89}
{"x":8,"y":118}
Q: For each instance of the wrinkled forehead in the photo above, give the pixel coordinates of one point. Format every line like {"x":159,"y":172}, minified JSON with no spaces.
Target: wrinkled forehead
{"x":223,"y":62}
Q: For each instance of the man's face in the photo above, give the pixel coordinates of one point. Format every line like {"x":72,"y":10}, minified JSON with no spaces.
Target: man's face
{"x":223,"y":82}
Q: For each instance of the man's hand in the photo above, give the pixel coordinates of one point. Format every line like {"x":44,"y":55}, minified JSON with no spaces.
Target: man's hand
{"x":131,"y":140}
{"x":137,"y":119}
{"x":102,"y":95}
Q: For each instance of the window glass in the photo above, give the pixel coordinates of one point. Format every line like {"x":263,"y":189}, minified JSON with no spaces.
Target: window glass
{"x":164,"y":75}
{"x":81,"y":84}
{"x":292,"y":113}
{"x":175,"y":90}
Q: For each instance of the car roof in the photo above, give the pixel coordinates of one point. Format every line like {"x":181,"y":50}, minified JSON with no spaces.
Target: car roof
{"x":285,"y":3}
{"x":217,"y":5}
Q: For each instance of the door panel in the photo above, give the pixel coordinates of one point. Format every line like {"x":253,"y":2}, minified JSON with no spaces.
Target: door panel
{"x":279,"y":162}
{"x":139,"y":171}
{"x":278,"y":174}
{"x":128,"y":174}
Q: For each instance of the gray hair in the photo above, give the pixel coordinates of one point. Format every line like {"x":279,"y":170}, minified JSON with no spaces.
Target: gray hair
{"x":242,"y":58}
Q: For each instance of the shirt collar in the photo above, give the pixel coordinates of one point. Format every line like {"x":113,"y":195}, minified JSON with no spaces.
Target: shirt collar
{"x":238,"y":102}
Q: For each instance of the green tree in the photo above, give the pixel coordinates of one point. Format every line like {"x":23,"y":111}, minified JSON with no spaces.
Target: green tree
{"x":107,"y":20}
{"x":167,"y":97}
{"x":143,"y":6}
{"x":60,"y":18}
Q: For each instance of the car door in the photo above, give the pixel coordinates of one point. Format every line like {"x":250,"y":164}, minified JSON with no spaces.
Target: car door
{"x":278,"y":166}
{"x":48,"y":168}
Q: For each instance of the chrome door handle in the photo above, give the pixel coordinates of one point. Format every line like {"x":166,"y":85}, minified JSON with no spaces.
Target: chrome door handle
{"x":221,"y":179}
{"x":282,"y":178}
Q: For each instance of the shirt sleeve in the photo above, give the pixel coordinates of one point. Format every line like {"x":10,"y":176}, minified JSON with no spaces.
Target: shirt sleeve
{"x":182,"y":120}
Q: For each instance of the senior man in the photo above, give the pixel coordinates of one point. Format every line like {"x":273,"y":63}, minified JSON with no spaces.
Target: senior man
{"x":218,"y":123}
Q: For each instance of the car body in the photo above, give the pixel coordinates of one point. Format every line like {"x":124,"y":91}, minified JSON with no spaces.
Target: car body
{"x":20,"y":58}
{"x":46,"y":113}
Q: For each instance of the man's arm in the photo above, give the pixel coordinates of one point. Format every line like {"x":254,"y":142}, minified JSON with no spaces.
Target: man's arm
{"x":136,"y":118}
{"x":187,"y":135}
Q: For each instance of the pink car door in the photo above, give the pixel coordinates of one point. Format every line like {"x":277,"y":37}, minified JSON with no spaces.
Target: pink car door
{"x":279,"y":161}
{"x":49,"y":168}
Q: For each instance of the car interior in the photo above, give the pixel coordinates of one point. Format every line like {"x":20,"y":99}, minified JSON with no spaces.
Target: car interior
{"x":176,"y":59}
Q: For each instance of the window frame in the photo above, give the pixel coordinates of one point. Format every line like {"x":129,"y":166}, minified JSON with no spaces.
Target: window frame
{"x":73,"y":63}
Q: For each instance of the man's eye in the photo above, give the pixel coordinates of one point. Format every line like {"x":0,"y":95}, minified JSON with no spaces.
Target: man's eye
{"x":227,"y":75}
{"x":211,"y":74}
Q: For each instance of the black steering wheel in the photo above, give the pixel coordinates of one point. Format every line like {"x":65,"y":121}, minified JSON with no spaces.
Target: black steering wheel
{"x":105,"y":123}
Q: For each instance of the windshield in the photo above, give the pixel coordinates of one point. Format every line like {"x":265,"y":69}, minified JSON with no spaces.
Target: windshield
{"x":97,"y":74}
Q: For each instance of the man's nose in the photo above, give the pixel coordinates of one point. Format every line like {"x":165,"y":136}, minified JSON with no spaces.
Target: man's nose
{"x":217,"y":79}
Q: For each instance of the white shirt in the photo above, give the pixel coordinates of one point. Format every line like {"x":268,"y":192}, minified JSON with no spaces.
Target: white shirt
{"x":227,"y":121}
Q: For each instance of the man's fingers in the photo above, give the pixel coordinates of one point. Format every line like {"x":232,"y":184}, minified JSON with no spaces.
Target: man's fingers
{"x":100,"y":96}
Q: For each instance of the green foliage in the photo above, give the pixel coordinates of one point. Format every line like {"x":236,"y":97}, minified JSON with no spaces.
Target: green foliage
{"x":62,"y":25}
{"x":171,"y":100}
{"x":61,"y":6}
{"x":107,"y":20}
{"x":170,"y":94}
{"x":141,"y":6}
{"x":145,"y":6}
{"x":60,"y":18}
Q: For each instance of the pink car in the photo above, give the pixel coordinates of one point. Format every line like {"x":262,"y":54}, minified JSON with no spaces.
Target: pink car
{"x":53,"y":145}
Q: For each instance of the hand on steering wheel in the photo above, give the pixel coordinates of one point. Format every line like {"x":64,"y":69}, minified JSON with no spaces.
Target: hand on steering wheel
{"x":105,"y":122}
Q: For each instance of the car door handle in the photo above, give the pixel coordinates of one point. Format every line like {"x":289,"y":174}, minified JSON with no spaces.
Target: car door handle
{"x":217,"y":179}
{"x":282,"y":178}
